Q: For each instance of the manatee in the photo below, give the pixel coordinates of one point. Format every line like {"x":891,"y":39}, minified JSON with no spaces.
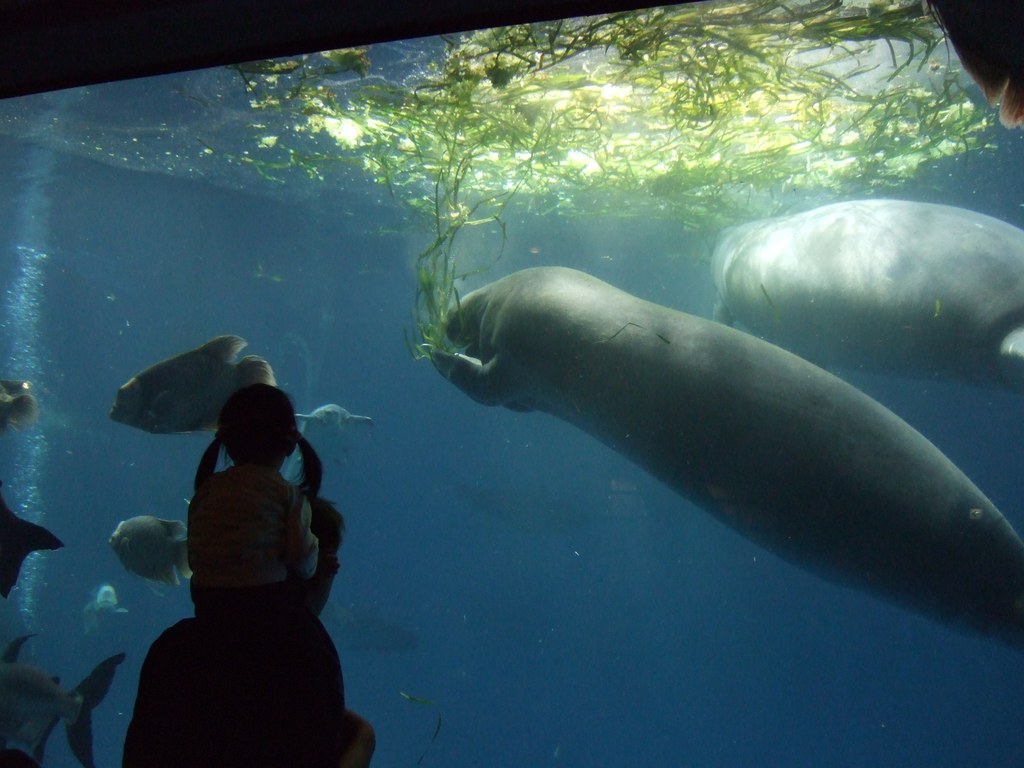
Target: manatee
{"x":782,"y":451}
{"x":888,"y":286}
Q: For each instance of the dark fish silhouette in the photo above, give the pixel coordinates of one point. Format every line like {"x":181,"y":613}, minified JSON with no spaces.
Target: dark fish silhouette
{"x":988,"y":36}
{"x":186,"y":392}
{"x":15,"y":758}
{"x":363,"y":629}
{"x":32,"y":703}
{"x":152,"y":548}
{"x":18,"y":406}
{"x":17,"y":539}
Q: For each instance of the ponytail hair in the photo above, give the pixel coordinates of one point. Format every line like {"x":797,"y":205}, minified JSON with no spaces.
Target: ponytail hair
{"x":208,"y":463}
{"x":312,"y":468}
{"x":257,"y":424}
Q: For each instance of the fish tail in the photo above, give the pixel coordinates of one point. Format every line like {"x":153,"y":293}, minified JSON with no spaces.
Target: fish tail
{"x":92,"y":690}
{"x":254,"y":370}
{"x":24,"y":411}
{"x":39,"y":747}
{"x":21,"y":538}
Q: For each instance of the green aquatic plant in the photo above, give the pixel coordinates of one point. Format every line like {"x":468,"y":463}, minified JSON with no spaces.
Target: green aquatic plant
{"x":705,"y":113}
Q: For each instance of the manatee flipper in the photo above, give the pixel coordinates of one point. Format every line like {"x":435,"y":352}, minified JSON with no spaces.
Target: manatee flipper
{"x":472,"y":376}
{"x":92,"y":690}
{"x":18,"y":538}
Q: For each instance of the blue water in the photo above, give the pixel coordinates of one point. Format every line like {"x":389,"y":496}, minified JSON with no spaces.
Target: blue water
{"x":537,"y":595}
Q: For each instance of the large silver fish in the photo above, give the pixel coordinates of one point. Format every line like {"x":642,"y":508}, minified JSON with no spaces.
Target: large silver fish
{"x":32,"y":703}
{"x":152,"y":548}
{"x":185,"y":393}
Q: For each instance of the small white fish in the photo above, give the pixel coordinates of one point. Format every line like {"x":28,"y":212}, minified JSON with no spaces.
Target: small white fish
{"x":103,"y":601}
{"x":328,"y":429}
{"x":153,"y":548}
{"x":331,"y":415}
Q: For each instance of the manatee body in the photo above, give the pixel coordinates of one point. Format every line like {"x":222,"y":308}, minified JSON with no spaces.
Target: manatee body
{"x":890,"y":286}
{"x":771,"y":445}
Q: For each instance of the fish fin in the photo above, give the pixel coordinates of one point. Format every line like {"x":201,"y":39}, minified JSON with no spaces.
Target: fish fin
{"x":10,"y":654}
{"x":176,"y":529}
{"x":40,"y":745}
{"x":254,"y":370}
{"x":170,"y":577}
{"x":182,"y":560}
{"x":224,"y":347}
{"x":18,"y":538}
{"x":24,"y":411}
{"x":92,"y":690}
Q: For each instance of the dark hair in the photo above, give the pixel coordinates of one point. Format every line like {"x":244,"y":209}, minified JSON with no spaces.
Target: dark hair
{"x":258,"y":423}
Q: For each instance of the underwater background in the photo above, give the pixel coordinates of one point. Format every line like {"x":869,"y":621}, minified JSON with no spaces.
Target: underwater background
{"x":512,"y":592}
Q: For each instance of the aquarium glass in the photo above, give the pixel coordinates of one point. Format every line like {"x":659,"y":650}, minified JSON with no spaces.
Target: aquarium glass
{"x":515,"y":590}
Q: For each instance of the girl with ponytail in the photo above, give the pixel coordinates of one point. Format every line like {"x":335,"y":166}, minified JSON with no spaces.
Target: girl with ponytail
{"x":248,"y":526}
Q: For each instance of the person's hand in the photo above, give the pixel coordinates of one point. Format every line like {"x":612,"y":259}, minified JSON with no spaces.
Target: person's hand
{"x":362,"y":741}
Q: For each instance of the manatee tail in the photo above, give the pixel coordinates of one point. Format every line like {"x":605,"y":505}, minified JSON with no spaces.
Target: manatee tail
{"x":92,"y":690}
{"x":253,"y":370}
{"x":18,"y":538}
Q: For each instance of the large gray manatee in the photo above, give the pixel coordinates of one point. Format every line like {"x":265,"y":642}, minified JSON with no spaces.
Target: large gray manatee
{"x":780,"y":450}
{"x":890,"y":286}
